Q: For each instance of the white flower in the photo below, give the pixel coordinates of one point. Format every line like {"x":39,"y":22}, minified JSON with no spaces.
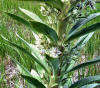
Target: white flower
{"x":49,"y":20}
{"x":55,"y":52}
{"x":42,"y":8}
{"x":75,"y":11}
{"x":38,"y":41}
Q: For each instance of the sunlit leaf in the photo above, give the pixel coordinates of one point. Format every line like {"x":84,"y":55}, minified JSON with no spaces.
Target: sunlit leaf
{"x":44,"y":29}
{"x":31,"y":15}
{"x":35,"y":52}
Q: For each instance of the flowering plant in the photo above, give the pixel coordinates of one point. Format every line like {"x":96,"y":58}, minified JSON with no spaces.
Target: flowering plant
{"x":53,"y":52}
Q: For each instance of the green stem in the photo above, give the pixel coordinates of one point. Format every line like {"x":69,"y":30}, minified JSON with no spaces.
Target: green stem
{"x":62,"y":28}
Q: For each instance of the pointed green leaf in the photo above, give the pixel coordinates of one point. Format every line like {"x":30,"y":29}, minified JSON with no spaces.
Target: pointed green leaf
{"x":19,"y":19}
{"x":31,"y":47}
{"x":82,"y":22}
{"x":72,"y":64}
{"x":33,"y":81}
{"x":93,"y":61}
{"x":76,"y":26}
{"x":87,"y":39}
{"x":31,"y":15}
{"x":83,"y":40}
{"x":84,"y":31}
{"x":80,"y":41}
{"x":27,"y":53}
{"x":85,"y":81}
{"x":44,"y":29}
{"x":35,"y":52}
{"x":91,"y":85}
{"x":23,"y":70}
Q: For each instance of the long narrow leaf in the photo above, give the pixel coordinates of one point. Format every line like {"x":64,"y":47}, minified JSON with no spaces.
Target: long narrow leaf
{"x":19,"y":19}
{"x":22,"y":69}
{"x":81,"y":22}
{"x":80,"y":41}
{"x":35,"y":52}
{"x":33,"y":49}
{"x":91,"y":85}
{"x":93,"y":61}
{"x":31,"y":15}
{"x":27,"y":53}
{"x":85,"y":81}
{"x":44,"y":29}
{"x":83,"y":40}
{"x":84,"y":31}
{"x":76,"y":26}
{"x":33,"y":81}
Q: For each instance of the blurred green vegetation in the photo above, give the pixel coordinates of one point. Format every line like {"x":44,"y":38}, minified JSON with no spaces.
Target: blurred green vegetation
{"x":93,"y":46}
{"x":8,"y":28}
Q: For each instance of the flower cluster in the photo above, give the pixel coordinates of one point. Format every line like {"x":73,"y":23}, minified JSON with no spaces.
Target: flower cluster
{"x":54,"y":52}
